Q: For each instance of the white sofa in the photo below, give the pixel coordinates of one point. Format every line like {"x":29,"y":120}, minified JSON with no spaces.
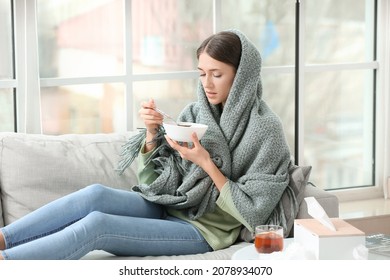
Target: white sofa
{"x":35,"y":169}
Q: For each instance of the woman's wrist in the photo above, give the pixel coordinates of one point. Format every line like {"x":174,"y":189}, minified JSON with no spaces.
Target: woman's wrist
{"x":215,"y":174}
{"x":149,"y":143}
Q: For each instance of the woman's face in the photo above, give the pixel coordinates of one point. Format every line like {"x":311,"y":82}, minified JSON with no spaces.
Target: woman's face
{"x":216,"y":77}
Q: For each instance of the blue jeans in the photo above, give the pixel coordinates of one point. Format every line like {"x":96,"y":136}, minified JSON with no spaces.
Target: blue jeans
{"x":100,"y":218}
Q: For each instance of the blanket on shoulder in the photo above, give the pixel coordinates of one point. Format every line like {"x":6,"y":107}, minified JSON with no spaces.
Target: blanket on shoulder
{"x":246,"y":141}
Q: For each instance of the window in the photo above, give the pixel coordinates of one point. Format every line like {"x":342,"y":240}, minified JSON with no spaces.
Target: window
{"x":7,"y":105}
{"x":98,"y":59}
{"x":338,"y":99}
{"x":7,"y":109}
{"x":166,"y":34}
{"x":81,"y":39}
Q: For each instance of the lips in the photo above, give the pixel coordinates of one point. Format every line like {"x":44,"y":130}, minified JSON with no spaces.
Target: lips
{"x":211,"y":94}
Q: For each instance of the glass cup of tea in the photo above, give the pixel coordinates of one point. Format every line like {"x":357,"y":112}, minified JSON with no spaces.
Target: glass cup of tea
{"x":268,"y":239}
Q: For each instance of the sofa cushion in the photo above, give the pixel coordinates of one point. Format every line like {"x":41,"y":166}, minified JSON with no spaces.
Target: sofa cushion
{"x":36,"y":169}
{"x":299,"y":177}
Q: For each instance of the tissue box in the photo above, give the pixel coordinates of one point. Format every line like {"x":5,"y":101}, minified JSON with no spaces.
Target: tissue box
{"x":325,"y":243}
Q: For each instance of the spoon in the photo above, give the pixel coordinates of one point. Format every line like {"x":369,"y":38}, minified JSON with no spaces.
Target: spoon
{"x":169,"y":117}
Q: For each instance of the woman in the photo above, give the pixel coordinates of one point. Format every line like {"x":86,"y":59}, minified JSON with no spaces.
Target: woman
{"x":191,"y":198}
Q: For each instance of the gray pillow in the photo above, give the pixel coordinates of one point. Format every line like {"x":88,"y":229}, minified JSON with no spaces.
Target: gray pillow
{"x":299,"y":177}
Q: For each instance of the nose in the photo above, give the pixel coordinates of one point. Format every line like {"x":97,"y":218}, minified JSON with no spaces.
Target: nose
{"x":208,"y":83}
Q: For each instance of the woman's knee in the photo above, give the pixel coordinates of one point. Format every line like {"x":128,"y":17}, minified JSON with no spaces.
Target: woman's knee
{"x":96,"y":218}
{"x":96,"y":187}
{"x":95,"y":191}
{"x":95,"y":223}
{"x":89,"y":230}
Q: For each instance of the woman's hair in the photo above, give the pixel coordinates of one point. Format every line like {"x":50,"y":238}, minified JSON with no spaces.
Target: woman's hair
{"x":224,"y":46}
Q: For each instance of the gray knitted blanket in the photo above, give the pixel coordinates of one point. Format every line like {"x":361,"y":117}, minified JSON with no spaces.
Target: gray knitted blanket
{"x":245,"y":140}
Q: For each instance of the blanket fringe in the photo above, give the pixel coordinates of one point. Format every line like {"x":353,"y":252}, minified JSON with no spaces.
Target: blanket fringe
{"x":130,"y":151}
{"x":132,"y":148}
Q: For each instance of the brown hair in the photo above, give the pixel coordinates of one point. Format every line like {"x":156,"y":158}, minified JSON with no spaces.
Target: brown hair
{"x":224,"y":46}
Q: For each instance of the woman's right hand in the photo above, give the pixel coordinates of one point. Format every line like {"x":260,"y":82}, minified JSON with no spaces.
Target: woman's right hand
{"x":152,"y":121}
{"x":151,"y":118}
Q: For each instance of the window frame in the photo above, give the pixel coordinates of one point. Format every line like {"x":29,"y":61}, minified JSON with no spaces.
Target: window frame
{"x":354,"y":193}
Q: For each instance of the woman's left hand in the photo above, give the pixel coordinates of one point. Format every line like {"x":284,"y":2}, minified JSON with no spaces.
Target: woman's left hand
{"x":201,"y":157}
{"x":195,"y":153}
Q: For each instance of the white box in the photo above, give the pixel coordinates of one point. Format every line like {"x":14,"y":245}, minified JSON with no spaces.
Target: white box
{"x":326,"y":244}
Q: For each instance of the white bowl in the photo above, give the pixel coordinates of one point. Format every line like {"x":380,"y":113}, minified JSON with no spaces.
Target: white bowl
{"x":183,"y":133}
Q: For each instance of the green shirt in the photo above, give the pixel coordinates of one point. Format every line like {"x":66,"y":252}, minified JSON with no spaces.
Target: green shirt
{"x":220,"y":228}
